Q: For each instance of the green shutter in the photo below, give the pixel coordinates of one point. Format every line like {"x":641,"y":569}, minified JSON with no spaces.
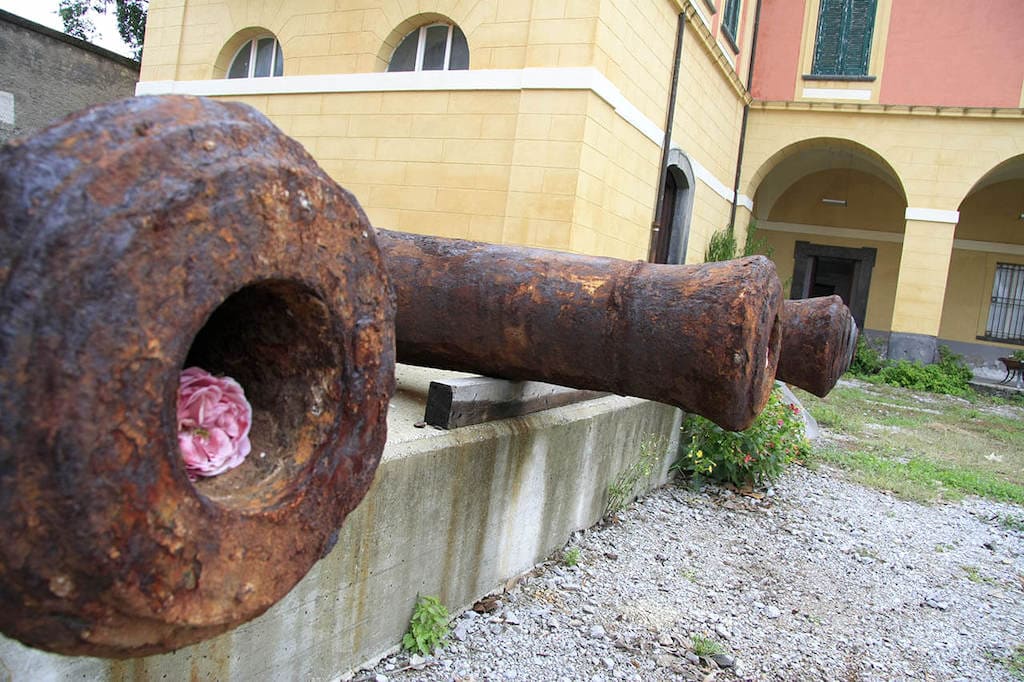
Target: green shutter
{"x":828,"y":43}
{"x":842,"y":45}
{"x":860,"y":24}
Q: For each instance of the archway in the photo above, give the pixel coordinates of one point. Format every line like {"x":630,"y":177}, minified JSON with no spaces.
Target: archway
{"x":833,"y":212}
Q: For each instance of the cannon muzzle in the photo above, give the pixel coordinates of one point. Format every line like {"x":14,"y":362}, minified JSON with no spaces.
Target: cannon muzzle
{"x":136,"y":239}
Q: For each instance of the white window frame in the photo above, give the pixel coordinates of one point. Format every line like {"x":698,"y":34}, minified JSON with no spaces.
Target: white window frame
{"x":421,"y":45}
{"x":252,"y":43}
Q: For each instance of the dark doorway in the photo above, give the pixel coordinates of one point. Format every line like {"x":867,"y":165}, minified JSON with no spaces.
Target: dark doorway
{"x":832,"y":276}
{"x":666,"y":219}
{"x":676,"y":208}
{"x":820,"y":270}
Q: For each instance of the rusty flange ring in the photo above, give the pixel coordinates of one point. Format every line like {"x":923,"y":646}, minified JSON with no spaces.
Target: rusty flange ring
{"x":819,"y":337}
{"x":136,"y":238}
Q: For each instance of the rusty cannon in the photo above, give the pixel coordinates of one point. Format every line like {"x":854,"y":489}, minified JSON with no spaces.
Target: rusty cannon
{"x":705,"y":338}
{"x":150,"y":235}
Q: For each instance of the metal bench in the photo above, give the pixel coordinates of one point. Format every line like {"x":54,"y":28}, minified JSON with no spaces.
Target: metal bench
{"x":1013,"y":370}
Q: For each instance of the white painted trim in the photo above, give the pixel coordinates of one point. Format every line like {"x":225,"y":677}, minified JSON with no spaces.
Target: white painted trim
{"x":708,"y":178}
{"x":837,"y":232}
{"x":836,"y":93}
{"x":932,"y":215}
{"x":746,"y":202}
{"x":568,"y":78}
{"x":993,"y":247}
{"x":700,"y":13}
{"x":727,"y":52}
{"x":893,"y":237}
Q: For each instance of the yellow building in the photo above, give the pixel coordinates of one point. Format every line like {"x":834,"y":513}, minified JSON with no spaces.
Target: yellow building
{"x":879,"y":145}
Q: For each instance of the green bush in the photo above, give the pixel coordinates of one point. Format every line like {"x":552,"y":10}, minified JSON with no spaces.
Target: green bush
{"x":867,"y":359}
{"x":756,"y":244}
{"x":746,"y":458}
{"x":949,"y":375}
{"x":1018,"y":355}
{"x":721,"y":246}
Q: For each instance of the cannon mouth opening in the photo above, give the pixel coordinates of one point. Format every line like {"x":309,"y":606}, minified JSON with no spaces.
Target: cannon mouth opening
{"x":278,"y":340}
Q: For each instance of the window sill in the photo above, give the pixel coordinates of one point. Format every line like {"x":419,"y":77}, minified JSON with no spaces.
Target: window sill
{"x":850,"y":79}
{"x":1012,"y":342}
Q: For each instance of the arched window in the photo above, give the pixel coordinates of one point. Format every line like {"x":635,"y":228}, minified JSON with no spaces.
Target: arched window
{"x":434,"y":47}
{"x":258,"y":58}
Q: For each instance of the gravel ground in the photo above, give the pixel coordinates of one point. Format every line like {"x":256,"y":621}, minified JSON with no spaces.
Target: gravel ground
{"x":822,"y":579}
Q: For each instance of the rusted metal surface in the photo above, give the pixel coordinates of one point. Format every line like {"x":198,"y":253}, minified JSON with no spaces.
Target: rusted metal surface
{"x":819,"y":337}
{"x":701,"y":337}
{"x":136,"y":239}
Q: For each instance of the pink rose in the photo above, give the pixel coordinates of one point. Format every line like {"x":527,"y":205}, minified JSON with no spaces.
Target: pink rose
{"x":213,"y":423}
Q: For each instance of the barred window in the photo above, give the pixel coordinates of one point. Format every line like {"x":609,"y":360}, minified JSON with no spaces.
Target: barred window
{"x":1006,"y":313}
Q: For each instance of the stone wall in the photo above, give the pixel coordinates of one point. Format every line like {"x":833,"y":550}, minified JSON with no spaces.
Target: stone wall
{"x":47,"y":75}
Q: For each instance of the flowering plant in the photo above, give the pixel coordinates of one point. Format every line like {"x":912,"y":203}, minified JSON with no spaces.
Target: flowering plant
{"x":213,"y":423}
{"x":746,"y":458}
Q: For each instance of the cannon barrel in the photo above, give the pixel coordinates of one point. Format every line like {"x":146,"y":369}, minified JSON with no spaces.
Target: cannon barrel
{"x":819,"y":337}
{"x":136,"y":239}
{"x":702,"y":337}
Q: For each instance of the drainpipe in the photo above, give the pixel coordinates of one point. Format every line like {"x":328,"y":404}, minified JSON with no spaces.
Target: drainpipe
{"x":746,"y":113}
{"x":667,"y":143}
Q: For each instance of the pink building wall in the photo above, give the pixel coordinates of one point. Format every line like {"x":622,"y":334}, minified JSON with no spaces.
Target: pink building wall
{"x":777,"y":62}
{"x":954,"y":53}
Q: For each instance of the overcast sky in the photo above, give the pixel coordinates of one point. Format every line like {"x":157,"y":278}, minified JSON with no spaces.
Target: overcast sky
{"x":45,"y":12}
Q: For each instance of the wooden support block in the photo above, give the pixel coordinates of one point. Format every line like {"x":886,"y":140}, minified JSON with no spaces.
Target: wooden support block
{"x":473,"y":400}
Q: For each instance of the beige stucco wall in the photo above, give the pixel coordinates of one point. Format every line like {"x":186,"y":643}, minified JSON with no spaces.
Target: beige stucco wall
{"x":571,"y":168}
{"x":936,"y":155}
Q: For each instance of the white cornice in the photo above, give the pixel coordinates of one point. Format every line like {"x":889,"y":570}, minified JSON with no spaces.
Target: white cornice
{"x":932,"y":215}
{"x":892,"y":237}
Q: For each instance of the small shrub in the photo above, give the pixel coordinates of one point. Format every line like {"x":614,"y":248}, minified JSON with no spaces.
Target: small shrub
{"x":622,"y":490}
{"x":752,"y":457}
{"x":867,"y":359}
{"x":428,"y":627}
{"x":705,"y":646}
{"x":949,"y":375}
{"x":1017,"y":355}
{"x":571,"y":557}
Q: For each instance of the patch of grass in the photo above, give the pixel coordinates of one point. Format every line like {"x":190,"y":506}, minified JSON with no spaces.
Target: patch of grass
{"x":1011,"y":522}
{"x":705,"y":646}
{"x":571,"y":557}
{"x":902,"y":421}
{"x":690,"y":574}
{"x":944,"y":547}
{"x":920,"y":479}
{"x":944,"y":447}
{"x":1015,"y":662}
{"x":621,"y":491}
{"x":827,"y":416}
{"x":975,"y":576}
